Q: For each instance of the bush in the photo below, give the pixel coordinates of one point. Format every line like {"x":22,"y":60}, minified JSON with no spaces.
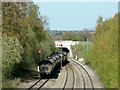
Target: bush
{"x":24,"y":35}
{"x":12,"y":51}
{"x":81,"y":50}
{"x":104,"y":54}
{"x":11,"y":55}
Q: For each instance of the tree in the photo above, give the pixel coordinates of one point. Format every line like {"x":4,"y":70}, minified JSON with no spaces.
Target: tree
{"x":100,"y":20}
{"x":23,"y":31}
{"x":12,"y":54}
{"x":84,"y":35}
{"x":104,"y":52}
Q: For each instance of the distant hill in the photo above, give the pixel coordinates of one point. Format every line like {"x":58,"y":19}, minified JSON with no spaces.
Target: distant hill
{"x":58,"y":32}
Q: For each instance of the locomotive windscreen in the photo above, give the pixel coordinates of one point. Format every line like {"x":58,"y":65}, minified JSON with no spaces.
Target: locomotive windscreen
{"x":65,"y":49}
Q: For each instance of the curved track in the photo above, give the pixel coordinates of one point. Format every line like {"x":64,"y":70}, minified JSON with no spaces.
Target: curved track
{"x":74,"y":75}
{"x":70,"y":77}
{"x":85,"y":75}
{"x":66,"y":77}
{"x":83,"y":79}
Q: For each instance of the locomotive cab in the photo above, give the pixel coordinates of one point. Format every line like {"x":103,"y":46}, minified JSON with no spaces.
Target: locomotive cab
{"x":45,"y":67}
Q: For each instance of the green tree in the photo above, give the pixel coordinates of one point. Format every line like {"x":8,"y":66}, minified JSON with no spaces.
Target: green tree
{"x":23,"y":27}
{"x":12,"y":51}
{"x":100,"y":20}
{"x":84,"y":35}
{"x":104,"y":52}
{"x":70,"y":36}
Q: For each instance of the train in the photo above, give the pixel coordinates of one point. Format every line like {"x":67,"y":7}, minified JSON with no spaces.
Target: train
{"x":48,"y":65}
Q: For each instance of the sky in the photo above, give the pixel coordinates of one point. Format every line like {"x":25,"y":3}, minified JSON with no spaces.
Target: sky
{"x":76,"y":15}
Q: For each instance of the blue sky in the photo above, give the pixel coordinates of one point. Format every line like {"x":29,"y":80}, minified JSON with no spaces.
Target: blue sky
{"x":76,"y":15}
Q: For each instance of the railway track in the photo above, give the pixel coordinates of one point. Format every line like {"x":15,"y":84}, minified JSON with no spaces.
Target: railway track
{"x":39,"y":86}
{"x":34,"y":84}
{"x":74,"y":80}
{"x":66,"y":69}
{"x":82,"y":76}
{"x":70,"y":80}
{"x":76,"y":75}
{"x":85,"y":75}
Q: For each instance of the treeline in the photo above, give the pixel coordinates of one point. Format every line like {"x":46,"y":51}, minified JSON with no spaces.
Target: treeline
{"x":23,"y":35}
{"x":72,"y":35}
{"x":103,"y":56}
{"x":77,"y":36}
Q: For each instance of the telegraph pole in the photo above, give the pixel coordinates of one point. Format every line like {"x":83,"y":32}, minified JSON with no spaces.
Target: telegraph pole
{"x":62,"y":58}
{"x":87,"y":47}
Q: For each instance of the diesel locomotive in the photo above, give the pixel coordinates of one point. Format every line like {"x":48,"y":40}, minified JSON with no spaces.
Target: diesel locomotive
{"x":47,"y":66}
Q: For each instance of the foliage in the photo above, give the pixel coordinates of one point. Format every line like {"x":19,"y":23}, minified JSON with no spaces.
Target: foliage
{"x":12,"y":51}
{"x":70,"y":36}
{"x":82,"y":50}
{"x":100,"y":20}
{"x":103,"y":55}
{"x":104,"y":52}
{"x":24,"y":34}
{"x":81,"y":36}
{"x":10,"y":83}
{"x":85,"y":35}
